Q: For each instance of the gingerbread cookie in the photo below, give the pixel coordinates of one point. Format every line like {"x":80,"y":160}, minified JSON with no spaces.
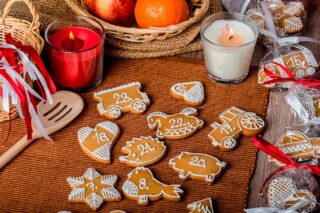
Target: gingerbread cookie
{"x":142,"y":187}
{"x":298,"y":146}
{"x":283,"y":194}
{"x":117,"y":211}
{"x":191,"y":92}
{"x":93,"y":189}
{"x":126,"y":98}
{"x":197,"y":166}
{"x":177,"y":126}
{"x":97,"y":143}
{"x":201,"y":206}
{"x":235,"y":122}
{"x":142,"y":151}
{"x":301,"y":63}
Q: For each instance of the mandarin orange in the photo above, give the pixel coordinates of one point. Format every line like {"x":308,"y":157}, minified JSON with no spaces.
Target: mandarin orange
{"x":160,"y":13}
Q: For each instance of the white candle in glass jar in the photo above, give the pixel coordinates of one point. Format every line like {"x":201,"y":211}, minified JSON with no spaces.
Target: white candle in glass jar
{"x":228,"y":47}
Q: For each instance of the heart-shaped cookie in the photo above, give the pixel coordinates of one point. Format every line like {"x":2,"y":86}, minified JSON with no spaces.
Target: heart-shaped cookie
{"x":97,"y":142}
{"x":283,"y":194}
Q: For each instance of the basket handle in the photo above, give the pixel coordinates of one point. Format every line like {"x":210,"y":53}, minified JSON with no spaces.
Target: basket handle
{"x":35,"y":24}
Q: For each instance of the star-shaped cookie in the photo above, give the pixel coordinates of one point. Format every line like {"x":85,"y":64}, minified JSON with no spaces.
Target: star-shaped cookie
{"x":93,"y":188}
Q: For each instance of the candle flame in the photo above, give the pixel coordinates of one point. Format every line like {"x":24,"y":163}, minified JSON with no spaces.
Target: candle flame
{"x":71,"y":36}
{"x":231,"y":30}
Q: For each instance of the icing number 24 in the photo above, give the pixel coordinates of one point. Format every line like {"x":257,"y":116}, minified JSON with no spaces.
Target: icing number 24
{"x":122,"y":98}
{"x":196,"y":161}
{"x":146,"y":148}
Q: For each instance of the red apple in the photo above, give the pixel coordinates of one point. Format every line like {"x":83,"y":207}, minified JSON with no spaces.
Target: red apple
{"x":117,"y":12}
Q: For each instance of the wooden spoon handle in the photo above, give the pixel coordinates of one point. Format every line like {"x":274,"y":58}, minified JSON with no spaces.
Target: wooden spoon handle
{"x":14,"y":151}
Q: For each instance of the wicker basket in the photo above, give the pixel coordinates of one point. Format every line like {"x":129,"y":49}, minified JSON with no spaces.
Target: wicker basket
{"x":133,"y":34}
{"x":21,"y":30}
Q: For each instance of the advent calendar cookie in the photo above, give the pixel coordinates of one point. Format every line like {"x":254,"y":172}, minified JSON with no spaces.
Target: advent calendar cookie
{"x":235,"y":122}
{"x":191,"y":92}
{"x":93,"y":189}
{"x":197,"y":166}
{"x":126,"y":98}
{"x":301,"y":63}
{"x":283,"y":194}
{"x":142,"y":187}
{"x":142,"y":151}
{"x":298,"y":146}
{"x":201,"y":206}
{"x":97,"y":142}
{"x":177,"y":126}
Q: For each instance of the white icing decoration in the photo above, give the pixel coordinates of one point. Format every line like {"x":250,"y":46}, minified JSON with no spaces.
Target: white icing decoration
{"x":244,"y":120}
{"x":155,"y":120}
{"x":195,"y":94}
{"x":94,"y":200}
{"x":146,"y":150}
{"x":111,"y":193}
{"x":198,"y":206}
{"x":122,"y":100}
{"x":283,"y":189}
{"x":132,"y":190}
{"x":102,"y":152}
{"x":195,"y":162}
{"x":88,"y":181}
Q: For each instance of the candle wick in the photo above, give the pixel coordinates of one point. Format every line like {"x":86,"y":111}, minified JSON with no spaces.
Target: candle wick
{"x":231,"y":37}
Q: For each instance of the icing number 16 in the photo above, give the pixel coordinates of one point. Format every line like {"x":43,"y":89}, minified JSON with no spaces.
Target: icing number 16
{"x":177,"y":123}
{"x":295,"y":61}
{"x":196,"y":161}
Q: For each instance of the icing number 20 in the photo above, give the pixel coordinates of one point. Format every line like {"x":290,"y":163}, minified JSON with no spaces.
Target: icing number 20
{"x":143,"y":184}
{"x":122,"y":98}
{"x":196,"y":161}
{"x":177,"y":123}
{"x":145,"y":148}
{"x":102,"y":137}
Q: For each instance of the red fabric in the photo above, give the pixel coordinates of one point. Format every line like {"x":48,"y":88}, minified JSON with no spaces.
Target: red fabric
{"x":310,"y":82}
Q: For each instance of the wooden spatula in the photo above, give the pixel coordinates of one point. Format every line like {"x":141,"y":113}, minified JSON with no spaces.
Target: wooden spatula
{"x":66,"y":107}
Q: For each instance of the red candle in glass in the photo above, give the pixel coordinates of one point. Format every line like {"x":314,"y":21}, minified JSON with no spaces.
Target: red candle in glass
{"x":75,"y":54}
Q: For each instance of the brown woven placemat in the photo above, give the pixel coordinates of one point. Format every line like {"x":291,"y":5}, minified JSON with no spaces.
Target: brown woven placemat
{"x":186,"y":41}
{"x":36,"y":180}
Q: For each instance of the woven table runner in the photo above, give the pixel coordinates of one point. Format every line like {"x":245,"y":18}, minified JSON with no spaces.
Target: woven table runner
{"x":36,"y":180}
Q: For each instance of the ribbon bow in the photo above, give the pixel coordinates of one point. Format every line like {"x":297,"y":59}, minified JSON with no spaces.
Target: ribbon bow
{"x":310,"y":82}
{"x":277,"y":154}
{"x":15,"y":61}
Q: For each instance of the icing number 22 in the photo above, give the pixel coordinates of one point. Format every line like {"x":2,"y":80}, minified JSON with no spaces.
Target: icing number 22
{"x":196,"y":161}
{"x":122,"y":98}
{"x":143,"y":184}
{"x":177,"y":123}
{"x":145,"y":148}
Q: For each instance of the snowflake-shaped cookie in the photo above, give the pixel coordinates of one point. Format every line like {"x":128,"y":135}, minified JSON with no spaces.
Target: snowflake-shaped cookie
{"x":93,"y":188}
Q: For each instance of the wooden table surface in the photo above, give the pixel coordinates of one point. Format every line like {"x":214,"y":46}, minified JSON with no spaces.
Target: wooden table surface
{"x":279,"y":116}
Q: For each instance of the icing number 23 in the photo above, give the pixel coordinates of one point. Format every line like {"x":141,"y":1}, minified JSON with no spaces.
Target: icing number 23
{"x":122,"y":98}
{"x":196,"y":161}
{"x":143,"y":184}
{"x":177,"y":123}
{"x":146,"y":148}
